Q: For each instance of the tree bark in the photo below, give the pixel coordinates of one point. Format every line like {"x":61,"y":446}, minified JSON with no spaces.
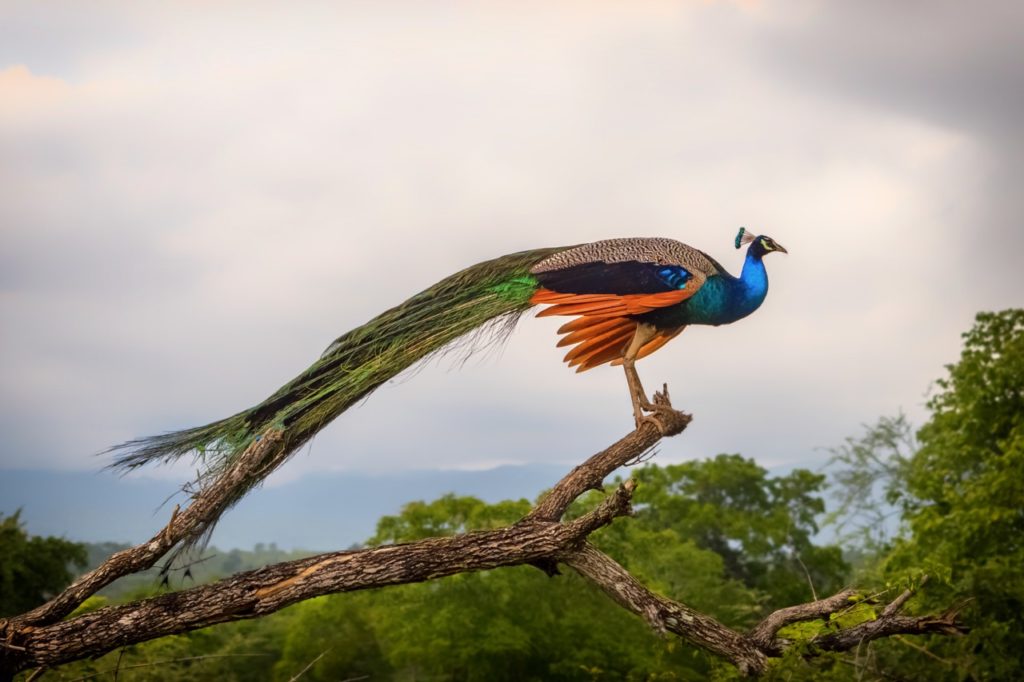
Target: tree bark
{"x":44,"y":638}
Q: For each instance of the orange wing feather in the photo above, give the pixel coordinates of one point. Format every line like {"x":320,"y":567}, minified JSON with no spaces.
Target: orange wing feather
{"x":604,"y":326}
{"x":605,"y":305}
{"x":600,"y":340}
{"x":601,"y":324}
{"x":612,"y":349}
{"x":654,"y":344}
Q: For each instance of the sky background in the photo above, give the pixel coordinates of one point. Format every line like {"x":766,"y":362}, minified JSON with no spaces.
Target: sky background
{"x":196,"y":198}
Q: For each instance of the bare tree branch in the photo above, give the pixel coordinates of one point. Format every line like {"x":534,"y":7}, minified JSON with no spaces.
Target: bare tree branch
{"x":591,"y":474}
{"x":844,"y":640}
{"x":891,"y":623}
{"x":42,"y":638}
{"x":263,"y":591}
{"x":763,"y":635}
{"x":665,"y":615}
{"x":204,"y":505}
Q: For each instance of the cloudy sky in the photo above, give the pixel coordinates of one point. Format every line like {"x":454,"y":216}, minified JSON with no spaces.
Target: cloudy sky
{"x":196,"y":198}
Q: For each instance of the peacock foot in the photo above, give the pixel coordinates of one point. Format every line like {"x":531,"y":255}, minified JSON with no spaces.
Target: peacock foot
{"x":654,"y":412}
{"x":658,"y":416}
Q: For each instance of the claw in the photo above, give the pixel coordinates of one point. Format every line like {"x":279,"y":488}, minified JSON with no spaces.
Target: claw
{"x":650,"y":419}
{"x":654,"y":416}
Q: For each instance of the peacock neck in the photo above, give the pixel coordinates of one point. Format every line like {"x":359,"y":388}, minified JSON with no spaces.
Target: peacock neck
{"x":754,"y":278}
{"x":749,"y":289}
{"x":721,"y":300}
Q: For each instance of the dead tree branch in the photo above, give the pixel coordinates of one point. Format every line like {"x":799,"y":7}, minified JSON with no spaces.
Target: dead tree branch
{"x":44,"y":638}
{"x":764,"y":633}
{"x":665,"y":615}
{"x":205,"y":504}
{"x":263,"y":591}
{"x":891,"y":622}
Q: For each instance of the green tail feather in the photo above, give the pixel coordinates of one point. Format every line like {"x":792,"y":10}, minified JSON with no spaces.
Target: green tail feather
{"x":487,"y":298}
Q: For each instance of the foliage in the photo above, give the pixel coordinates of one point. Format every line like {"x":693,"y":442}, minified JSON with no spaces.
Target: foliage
{"x":213,"y":564}
{"x":446,"y":516}
{"x":965,"y":502}
{"x":760,"y":527}
{"x":32,"y":569}
{"x":869,"y":473}
{"x":960,"y":494}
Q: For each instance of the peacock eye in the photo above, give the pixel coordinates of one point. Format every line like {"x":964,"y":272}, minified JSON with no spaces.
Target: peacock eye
{"x":765,"y":244}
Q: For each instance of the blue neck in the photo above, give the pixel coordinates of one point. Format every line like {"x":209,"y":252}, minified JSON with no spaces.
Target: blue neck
{"x":754,"y":277}
{"x":752,"y":285}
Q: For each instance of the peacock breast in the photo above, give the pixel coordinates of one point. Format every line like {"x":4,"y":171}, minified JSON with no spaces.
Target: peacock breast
{"x":713,"y":304}
{"x":722,"y":300}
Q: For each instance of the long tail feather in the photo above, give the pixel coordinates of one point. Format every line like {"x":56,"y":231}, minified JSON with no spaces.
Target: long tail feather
{"x":488,"y":298}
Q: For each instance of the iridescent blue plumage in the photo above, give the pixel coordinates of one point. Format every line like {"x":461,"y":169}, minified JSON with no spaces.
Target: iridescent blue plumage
{"x":674,"y":276}
{"x":723,"y":298}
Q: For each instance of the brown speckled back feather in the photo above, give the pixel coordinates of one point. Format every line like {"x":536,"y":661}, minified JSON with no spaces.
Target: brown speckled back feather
{"x":643,"y":249}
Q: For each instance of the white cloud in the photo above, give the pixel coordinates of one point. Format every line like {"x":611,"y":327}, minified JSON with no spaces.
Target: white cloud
{"x":192,"y":211}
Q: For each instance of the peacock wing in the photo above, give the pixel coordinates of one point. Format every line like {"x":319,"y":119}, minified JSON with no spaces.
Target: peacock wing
{"x":605,"y":284}
{"x":645,"y":250}
{"x":617,"y":277}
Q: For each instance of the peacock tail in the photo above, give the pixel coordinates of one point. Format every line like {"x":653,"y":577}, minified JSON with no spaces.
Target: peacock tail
{"x":479,"y":304}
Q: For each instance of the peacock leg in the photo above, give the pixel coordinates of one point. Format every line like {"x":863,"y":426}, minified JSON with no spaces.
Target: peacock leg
{"x":635,"y":391}
{"x":644,"y":333}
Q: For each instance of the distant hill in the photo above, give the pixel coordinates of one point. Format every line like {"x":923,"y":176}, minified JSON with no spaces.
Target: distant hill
{"x":214,"y":564}
{"x":320,"y":512}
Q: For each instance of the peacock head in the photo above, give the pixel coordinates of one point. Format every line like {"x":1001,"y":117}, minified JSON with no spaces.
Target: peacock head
{"x":759,"y":244}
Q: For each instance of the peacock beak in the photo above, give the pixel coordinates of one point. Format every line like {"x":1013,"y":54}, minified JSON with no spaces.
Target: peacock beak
{"x":780,"y":247}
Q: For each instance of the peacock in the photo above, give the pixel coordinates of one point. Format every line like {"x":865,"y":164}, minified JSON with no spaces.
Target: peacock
{"x":627,"y":297}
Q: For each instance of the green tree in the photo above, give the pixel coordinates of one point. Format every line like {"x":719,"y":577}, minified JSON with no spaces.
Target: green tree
{"x":870,"y":475}
{"x":447,"y":515}
{"x":760,"y":526}
{"x":960,"y":494}
{"x":965,"y":499}
{"x":332,"y":638}
{"x":32,"y":569}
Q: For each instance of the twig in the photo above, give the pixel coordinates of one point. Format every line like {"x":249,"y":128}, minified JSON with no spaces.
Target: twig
{"x":918,"y":647}
{"x":117,"y":668}
{"x":308,"y":666}
{"x":896,"y":605}
{"x":149,"y":664}
{"x":764,"y":632}
{"x":206,"y":504}
{"x":796,"y":555}
{"x":590,"y":474}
